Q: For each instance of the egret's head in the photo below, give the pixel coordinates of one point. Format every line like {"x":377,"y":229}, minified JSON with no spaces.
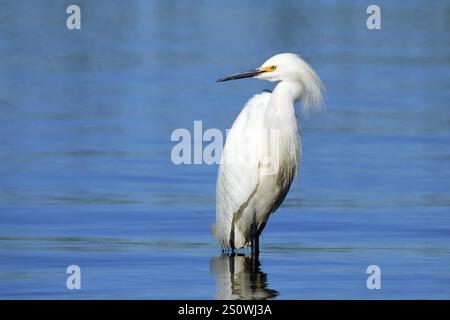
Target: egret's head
{"x":288,"y":67}
{"x":282,"y":67}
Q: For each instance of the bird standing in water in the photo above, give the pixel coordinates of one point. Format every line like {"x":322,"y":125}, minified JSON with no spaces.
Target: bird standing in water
{"x":262,"y":150}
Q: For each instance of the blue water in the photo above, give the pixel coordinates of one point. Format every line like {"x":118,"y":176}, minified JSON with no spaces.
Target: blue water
{"x":86,"y":176}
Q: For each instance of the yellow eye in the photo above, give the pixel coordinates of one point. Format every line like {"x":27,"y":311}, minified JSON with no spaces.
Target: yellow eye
{"x":273,"y":68}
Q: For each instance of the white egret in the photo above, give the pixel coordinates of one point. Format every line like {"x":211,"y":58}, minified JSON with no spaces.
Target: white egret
{"x":256,"y":170}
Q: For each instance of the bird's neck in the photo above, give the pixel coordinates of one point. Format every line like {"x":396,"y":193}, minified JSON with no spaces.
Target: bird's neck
{"x":288,"y":90}
{"x":281,"y":105}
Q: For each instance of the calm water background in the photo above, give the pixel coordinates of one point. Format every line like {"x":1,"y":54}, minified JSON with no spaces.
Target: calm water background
{"x":86,"y":176}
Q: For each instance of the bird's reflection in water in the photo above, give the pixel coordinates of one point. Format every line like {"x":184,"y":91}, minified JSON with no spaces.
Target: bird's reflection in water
{"x":239,"y":277}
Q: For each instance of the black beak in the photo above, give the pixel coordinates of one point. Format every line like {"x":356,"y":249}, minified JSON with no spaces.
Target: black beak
{"x":241,"y":75}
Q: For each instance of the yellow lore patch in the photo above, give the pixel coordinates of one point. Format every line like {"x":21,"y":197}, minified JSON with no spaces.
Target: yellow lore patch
{"x":268,"y":69}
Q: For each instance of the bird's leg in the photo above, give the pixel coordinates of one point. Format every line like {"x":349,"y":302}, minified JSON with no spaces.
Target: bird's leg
{"x":231,"y":262}
{"x":255,"y":246}
{"x":255,"y":238}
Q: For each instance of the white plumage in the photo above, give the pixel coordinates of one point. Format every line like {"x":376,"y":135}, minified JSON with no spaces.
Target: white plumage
{"x":262,"y":151}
